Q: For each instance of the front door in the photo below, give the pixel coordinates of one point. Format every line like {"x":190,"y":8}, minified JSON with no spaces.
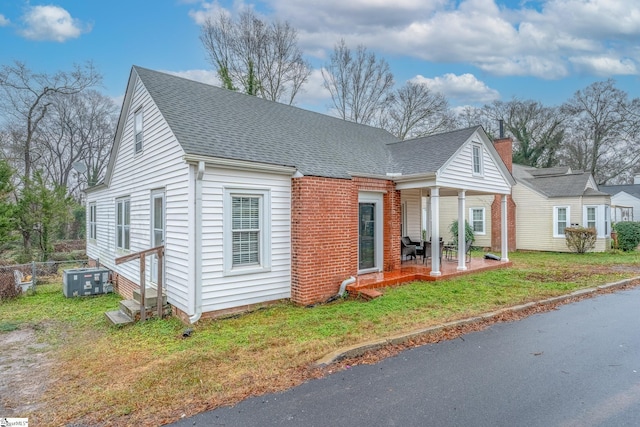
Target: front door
{"x":367,"y":238}
{"x":157,"y":230}
{"x":369,"y":232}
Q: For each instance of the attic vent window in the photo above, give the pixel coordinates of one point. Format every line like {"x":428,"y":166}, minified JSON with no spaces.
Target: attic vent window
{"x":137,"y":130}
{"x":477,"y":159}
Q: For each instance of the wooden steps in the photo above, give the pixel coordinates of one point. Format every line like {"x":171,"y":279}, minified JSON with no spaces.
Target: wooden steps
{"x":129,"y":309}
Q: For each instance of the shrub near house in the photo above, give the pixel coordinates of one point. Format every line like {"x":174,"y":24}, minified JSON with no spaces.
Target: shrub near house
{"x":628,"y":235}
{"x":580,"y":239}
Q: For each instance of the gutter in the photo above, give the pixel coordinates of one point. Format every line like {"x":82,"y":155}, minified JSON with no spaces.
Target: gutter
{"x":198,"y":245}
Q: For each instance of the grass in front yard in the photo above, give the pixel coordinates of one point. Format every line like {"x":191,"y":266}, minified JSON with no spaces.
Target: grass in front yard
{"x":148,"y":373}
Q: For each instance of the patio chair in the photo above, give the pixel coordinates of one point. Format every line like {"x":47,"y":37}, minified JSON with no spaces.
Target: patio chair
{"x":427,"y":250}
{"x":454,"y":248}
{"x":409,"y":248}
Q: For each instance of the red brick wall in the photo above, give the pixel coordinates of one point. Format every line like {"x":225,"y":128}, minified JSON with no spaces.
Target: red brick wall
{"x":504,"y":147}
{"x":324,"y":233}
{"x":124,"y":286}
{"x":496,"y":223}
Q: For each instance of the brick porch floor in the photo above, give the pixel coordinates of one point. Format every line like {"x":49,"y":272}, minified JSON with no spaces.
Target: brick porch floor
{"x":413,"y":270}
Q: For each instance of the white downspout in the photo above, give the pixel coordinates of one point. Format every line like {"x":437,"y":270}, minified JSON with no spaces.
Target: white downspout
{"x":198,"y":245}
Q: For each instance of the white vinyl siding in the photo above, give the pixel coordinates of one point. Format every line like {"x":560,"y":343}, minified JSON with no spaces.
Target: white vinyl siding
{"x":458,"y":173}
{"x":449,"y":213}
{"x":412,"y":214}
{"x":137,"y":177}
{"x":561,"y":220}
{"x":477,"y":220}
{"x":224,"y":285}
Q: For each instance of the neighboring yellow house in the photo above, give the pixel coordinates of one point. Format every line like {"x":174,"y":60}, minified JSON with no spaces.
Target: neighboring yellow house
{"x":549,"y":200}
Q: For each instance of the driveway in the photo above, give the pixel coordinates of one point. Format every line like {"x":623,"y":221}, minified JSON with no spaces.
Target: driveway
{"x":575,"y":366}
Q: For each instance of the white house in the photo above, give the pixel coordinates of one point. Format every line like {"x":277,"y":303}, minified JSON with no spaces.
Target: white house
{"x":255,"y":201}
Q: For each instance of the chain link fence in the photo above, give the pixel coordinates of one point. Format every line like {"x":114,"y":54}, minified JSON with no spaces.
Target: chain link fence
{"x":19,"y":278}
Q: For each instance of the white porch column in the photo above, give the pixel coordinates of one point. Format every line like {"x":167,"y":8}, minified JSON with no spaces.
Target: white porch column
{"x":435,"y":232}
{"x":504,"y":256}
{"x":462,"y":262}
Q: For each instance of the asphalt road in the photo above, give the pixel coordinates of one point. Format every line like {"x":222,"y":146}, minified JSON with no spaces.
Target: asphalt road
{"x":575,"y":366}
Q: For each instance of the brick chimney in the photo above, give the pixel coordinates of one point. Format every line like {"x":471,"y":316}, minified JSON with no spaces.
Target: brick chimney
{"x":504,"y":147}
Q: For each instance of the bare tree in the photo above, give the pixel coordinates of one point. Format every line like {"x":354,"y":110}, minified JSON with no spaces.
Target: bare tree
{"x":537,"y":130}
{"x":260,"y":57}
{"x":28,"y":95}
{"x":603,"y":132}
{"x":79,"y":130}
{"x":416,"y":111}
{"x":359,"y":83}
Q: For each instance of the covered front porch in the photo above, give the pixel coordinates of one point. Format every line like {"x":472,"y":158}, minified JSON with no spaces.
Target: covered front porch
{"x":414,"y":270}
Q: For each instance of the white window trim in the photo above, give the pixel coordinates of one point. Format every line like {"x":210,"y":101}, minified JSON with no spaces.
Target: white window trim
{"x":555,"y":220}
{"x":378,"y":199}
{"x":117,"y":231}
{"x":136,"y":131}
{"x":93,"y":222}
{"x":480,"y":160}
{"x":484,"y":220}
{"x":585,"y":219}
{"x":265,"y":231}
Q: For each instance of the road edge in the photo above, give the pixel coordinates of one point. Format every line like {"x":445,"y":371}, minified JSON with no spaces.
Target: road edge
{"x":361,"y":348}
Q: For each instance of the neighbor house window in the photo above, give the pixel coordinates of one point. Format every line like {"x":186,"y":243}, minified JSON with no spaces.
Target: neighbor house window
{"x":560,"y":220}
{"x":92,"y":221}
{"x":477,"y":220}
{"x":591,"y":217}
{"x":477,"y":159}
{"x":247,"y":236}
{"x":137,"y":130}
{"x":123,"y":223}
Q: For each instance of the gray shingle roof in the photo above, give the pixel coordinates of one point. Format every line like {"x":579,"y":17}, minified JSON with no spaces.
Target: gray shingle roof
{"x":633,"y":189}
{"x":555,"y":184}
{"x":216,"y":122}
{"x":429,"y":153}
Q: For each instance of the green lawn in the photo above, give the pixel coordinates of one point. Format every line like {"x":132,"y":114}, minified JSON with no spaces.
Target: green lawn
{"x":148,"y":373}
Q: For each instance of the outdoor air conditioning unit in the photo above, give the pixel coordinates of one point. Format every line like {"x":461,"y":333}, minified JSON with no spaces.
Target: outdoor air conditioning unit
{"x":86,"y":281}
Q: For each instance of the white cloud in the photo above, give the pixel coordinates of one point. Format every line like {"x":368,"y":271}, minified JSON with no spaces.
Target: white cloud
{"x":4,"y":21}
{"x":546,"y":39}
{"x":604,"y":66}
{"x":465,"y":88}
{"x":51,"y":23}
{"x":203,"y":76}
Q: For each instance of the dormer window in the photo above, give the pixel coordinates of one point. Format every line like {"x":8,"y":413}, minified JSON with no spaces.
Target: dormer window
{"x":477,"y":158}
{"x":137,"y":130}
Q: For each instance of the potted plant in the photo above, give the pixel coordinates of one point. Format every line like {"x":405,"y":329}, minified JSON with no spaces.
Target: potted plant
{"x":469,"y":236}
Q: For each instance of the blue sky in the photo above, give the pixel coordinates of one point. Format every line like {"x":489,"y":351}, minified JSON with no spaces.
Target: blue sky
{"x":474,"y":51}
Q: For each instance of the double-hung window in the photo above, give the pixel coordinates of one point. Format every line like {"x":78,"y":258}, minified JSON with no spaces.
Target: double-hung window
{"x":476,"y":154}
{"x":137,"y":130}
{"x":92,"y":221}
{"x":476,"y":216}
{"x":123,"y":223}
{"x":590,"y":217}
{"x":247,"y":230}
{"x":560,"y":220}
